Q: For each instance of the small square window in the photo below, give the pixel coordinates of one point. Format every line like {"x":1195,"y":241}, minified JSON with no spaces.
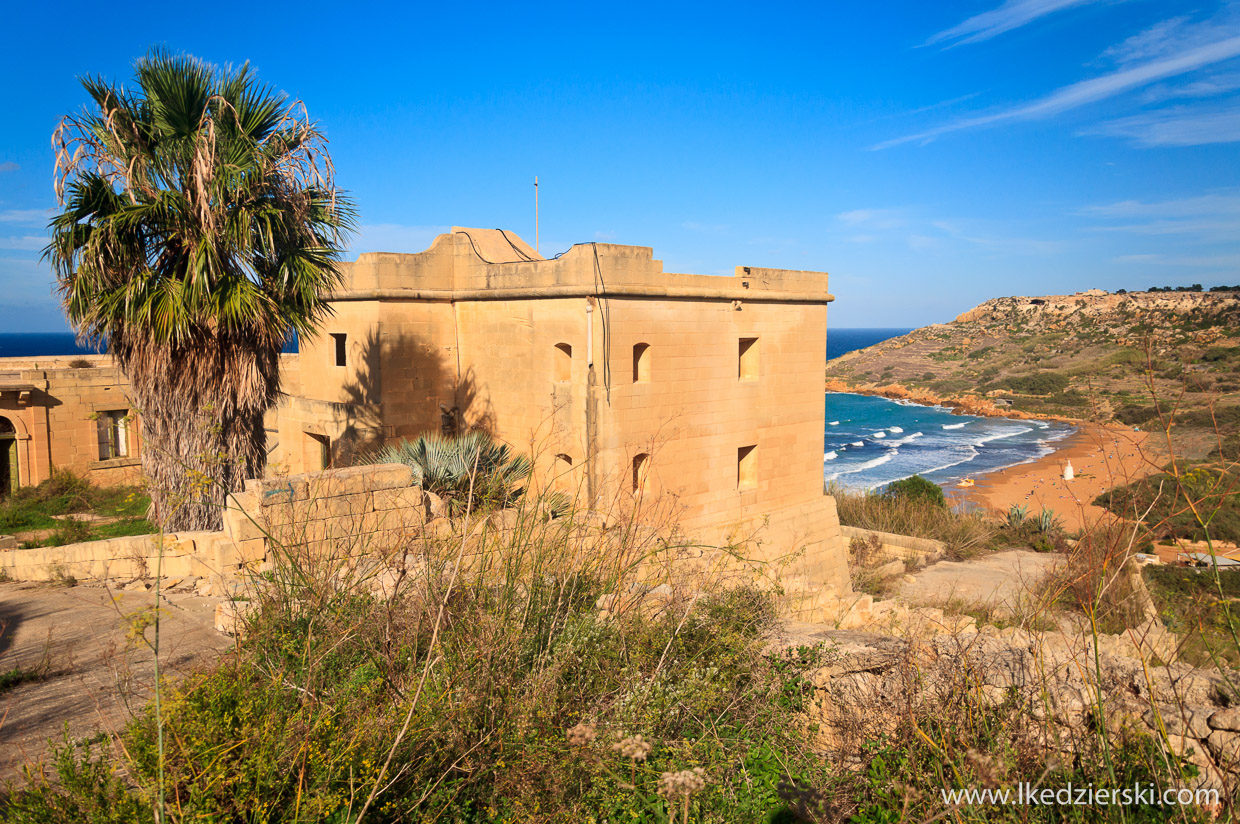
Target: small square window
{"x":340,"y":342}
{"x":747,"y":467}
{"x":747,"y":366}
{"x":113,"y":430}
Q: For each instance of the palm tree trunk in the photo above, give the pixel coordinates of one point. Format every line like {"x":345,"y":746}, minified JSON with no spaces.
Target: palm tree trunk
{"x":201,"y":406}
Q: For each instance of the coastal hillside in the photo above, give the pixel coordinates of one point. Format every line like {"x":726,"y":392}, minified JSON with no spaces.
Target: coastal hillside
{"x":1090,"y":356}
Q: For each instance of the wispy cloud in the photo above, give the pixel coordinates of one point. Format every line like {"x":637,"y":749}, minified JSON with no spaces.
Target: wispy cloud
{"x":1089,"y":91}
{"x":27,"y":243}
{"x":1175,"y":126}
{"x":9,"y":166}
{"x":873,"y":218}
{"x":1212,"y":86}
{"x":1226,"y":202}
{"x":1224,"y":261}
{"x":1212,"y":217}
{"x":1165,"y":39}
{"x":1011,"y":15}
{"x":921,"y":234}
{"x":26,"y":217}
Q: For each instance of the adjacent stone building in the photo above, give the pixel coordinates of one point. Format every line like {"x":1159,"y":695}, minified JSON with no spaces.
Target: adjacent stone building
{"x":66,"y":413}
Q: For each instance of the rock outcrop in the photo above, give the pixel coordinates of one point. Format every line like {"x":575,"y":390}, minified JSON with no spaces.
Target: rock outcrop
{"x":1060,"y":687}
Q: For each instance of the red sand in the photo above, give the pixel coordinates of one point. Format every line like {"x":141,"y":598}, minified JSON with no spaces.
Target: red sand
{"x":1102,"y":457}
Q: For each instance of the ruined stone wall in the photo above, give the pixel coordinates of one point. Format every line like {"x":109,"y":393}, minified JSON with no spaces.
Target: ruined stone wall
{"x":374,"y":517}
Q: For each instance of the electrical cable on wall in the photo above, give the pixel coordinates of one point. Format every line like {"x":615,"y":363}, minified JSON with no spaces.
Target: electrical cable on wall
{"x":525,"y":258}
{"x":600,"y":293}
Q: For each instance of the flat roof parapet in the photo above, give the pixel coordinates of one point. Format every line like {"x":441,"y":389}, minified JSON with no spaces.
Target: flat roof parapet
{"x":456,"y":267}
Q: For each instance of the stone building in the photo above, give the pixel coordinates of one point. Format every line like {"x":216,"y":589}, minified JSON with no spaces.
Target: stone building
{"x":619,"y":377}
{"x":65,"y":413}
{"x":622,"y":380}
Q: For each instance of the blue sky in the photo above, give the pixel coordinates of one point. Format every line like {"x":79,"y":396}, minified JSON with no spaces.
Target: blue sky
{"x":928,"y":155}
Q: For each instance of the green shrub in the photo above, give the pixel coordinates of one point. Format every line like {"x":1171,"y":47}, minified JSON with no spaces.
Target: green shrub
{"x":917,"y":488}
{"x":1228,"y":449}
{"x":1134,"y":414}
{"x":1216,"y":354}
{"x":1038,"y":383}
{"x":1188,"y":603}
{"x":965,"y":534}
{"x":1163,"y":501}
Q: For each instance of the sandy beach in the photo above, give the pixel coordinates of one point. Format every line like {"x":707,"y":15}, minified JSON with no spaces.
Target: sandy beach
{"x":1101,"y":457}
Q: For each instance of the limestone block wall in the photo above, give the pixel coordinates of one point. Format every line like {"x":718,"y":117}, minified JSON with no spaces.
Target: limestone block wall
{"x":898,"y":547}
{"x":184,"y":554}
{"x":356,"y":511}
{"x":376,"y":514}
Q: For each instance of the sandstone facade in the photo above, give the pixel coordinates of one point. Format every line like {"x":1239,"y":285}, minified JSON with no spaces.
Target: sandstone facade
{"x":626,"y":383}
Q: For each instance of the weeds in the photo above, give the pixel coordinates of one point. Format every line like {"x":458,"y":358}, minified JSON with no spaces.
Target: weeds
{"x":44,"y":507}
{"x":485,"y":659}
{"x":965,"y":534}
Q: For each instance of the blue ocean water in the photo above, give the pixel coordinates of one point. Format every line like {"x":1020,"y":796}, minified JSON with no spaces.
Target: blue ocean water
{"x":841,"y":341}
{"x":40,"y":344}
{"x":870,"y":442}
{"x":44,"y":344}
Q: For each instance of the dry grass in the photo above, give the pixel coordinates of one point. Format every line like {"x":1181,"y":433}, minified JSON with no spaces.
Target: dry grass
{"x":965,"y":534}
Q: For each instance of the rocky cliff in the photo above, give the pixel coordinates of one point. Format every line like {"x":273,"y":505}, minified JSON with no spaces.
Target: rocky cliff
{"x":1092,"y":356}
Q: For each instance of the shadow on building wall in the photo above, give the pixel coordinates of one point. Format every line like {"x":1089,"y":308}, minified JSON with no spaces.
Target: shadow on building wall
{"x":402,"y":387}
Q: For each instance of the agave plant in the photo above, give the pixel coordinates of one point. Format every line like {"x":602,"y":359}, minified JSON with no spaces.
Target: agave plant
{"x":1016,"y":516}
{"x":1049,"y":522}
{"x":452,"y":467}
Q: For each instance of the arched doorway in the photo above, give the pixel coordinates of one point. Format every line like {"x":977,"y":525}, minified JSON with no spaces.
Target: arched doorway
{"x":8,"y":457}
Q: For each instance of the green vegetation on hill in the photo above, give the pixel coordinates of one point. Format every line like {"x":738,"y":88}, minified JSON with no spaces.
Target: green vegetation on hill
{"x":1199,"y":501}
{"x":1188,"y":603}
{"x":1092,"y":356}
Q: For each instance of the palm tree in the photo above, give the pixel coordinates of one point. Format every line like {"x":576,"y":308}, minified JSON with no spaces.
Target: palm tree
{"x":200,"y":225}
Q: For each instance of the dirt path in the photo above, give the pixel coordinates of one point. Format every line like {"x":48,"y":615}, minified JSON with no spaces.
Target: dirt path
{"x":1000,"y":580}
{"x":99,"y":677}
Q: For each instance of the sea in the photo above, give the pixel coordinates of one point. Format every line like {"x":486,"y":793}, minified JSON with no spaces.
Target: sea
{"x":869,"y":442}
{"x":44,"y":344}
